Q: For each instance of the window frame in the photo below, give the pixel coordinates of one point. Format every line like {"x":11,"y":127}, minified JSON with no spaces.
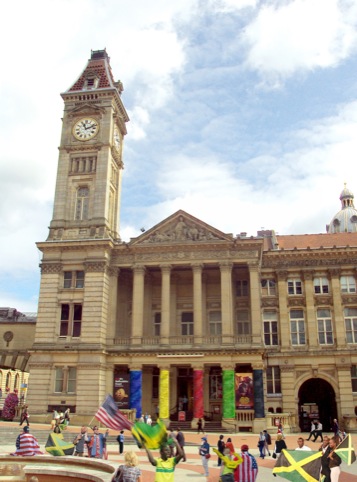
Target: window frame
{"x":71,"y":318}
{"x":349,"y":284}
{"x":324,"y":332}
{"x":187,"y":325}
{"x":351,"y":330}
{"x":269,"y":288}
{"x":157,"y":323}
{"x":321,"y":285}
{"x":215,"y":325}
{"x":299,"y":330}
{"x":243,"y":325}
{"x":242,"y":288}
{"x":81,"y":208}
{"x":354,"y":378}
{"x":270,"y":329}
{"x":273,"y":380}
{"x":294,"y":286}
{"x":73,"y":279}
{"x":65,"y":379}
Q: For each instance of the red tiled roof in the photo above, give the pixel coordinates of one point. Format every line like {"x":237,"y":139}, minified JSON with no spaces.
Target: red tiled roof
{"x":98,"y":67}
{"x":325,"y":240}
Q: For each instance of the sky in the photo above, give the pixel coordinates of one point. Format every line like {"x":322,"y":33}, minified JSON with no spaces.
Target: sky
{"x":243,"y":113}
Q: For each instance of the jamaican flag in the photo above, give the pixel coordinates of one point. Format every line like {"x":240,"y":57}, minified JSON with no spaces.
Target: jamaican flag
{"x":153,"y":436}
{"x":299,"y":465}
{"x":55,"y":445}
{"x":346,"y":451}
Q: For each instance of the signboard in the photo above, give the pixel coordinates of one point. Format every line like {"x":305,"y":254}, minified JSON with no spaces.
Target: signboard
{"x":122,"y":389}
{"x":182,"y":416}
{"x":244,"y":391}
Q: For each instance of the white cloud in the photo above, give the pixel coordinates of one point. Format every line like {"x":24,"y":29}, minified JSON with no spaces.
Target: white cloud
{"x":300,"y":35}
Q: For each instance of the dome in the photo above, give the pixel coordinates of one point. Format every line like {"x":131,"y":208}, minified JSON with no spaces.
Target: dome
{"x":345,"y":221}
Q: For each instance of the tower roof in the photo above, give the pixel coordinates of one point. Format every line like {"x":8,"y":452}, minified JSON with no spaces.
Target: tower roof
{"x":345,"y":221}
{"x":97,"y":74}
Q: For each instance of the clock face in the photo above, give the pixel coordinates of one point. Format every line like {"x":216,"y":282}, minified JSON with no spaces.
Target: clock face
{"x":85,"y":129}
{"x":117,"y":138}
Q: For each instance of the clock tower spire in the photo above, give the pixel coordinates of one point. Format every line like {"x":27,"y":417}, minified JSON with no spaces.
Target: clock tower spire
{"x":87,"y":197}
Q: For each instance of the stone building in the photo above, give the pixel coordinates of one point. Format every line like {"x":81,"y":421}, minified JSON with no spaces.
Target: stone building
{"x":184,"y":321}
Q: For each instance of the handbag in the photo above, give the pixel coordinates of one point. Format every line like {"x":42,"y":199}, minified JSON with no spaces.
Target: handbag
{"x":118,"y":476}
{"x":208,"y":456}
{"x":274,"y":455}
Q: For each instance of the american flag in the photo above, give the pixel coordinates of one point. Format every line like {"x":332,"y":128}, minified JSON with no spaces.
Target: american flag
{"x":248,"y":469}
{"x":111,"y":416}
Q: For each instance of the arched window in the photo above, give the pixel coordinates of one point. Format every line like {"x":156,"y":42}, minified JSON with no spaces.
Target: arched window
{"x":17,"y":381}
{"x":82,"y":203}
{"x":279,"y":410}
{"x":271,"y":409}
{"x":8,"y":380}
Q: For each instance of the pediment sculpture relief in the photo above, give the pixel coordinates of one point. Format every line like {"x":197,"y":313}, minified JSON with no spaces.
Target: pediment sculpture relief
{"x":182,"y":230}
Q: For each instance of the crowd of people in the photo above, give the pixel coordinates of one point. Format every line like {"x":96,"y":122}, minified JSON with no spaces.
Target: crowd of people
{"x":235,"y":465}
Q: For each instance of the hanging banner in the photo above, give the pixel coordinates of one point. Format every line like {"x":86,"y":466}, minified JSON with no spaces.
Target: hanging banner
{"x":122,"y":389}
{"x":228,"y":394}
{"x":164,"y":394}
{"x":244,"y":391}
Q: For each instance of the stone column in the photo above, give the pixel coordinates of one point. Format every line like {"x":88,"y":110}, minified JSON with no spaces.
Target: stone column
{"x":226,"y":303}
{"x":287,"y":380}
{"x":136,"y":390}
{"x":228,"y":395}
{"x":164,"y":393}
{"x":198,"y":386}
{"x":197,"y":303}
{"x":138,"y":305}
{"x":338,"y":321}
{"x":311,"y":322}
{"x":344,"y":383}
{"x":165,"y":303}
{"x":113,"y":301}
{"x":258,"y":386}
{"x":284,"y":331}
{"x":255,"y":305}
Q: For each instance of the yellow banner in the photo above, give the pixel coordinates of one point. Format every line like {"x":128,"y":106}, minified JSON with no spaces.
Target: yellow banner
{"x":164,"y":394}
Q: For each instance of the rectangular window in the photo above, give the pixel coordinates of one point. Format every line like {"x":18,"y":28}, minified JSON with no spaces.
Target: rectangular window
{"x":82,"y":204}
{"x":65,"y":379}
{"x":187,"y":323}
{"x":297,"y":327}
{"x":273,"y":380}
{"x":243,"y":322}
{"x":242,"y":287}
{"x":321,"y":285}
{"x":270,"y":323}
{"x":294,"y":287}
{"x":215,"y":322}
{"x":155,"y":382}
{"x":354,"y":378}
{"x":157,"y":324}
{"x":215,"y":385}
{"x":351,"y":324}
{"x":324,"y":324}
{"x":73,"y":279}
{"x":268,"y":287}
{"x":348,"y":284}
{"x":71,"y":320}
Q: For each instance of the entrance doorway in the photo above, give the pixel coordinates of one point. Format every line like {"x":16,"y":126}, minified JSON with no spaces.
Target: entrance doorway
{"x":317,"y":400}
{"x":185,"y":391}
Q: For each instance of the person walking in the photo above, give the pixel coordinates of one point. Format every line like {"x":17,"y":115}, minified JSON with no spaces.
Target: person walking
{"x":261,"y":445}
{"x":220,"y":447}
{"x":312,"y":430}
{"x":181,"y":441}
{"x":318,"y":431}
{"x":129,"y":472}
{"x":247,"y":471}
{"x":120,"y":440}
{"x":165,"y":465}
{"x":25,"y":416}
{"x":279,"y":446}
{"x":205,"y":455}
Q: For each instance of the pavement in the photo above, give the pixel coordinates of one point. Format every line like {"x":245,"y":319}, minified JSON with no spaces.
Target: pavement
{"x":191,"y":469}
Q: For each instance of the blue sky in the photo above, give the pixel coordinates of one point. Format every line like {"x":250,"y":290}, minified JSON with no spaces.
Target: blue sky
{"x":242,"y":112}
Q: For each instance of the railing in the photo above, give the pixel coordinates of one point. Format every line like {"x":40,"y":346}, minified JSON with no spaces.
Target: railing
{"x":187,"y":340}
{"x":287,"y":420}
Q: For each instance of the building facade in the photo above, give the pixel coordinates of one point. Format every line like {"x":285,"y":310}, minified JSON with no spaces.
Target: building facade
{"x":184,"y":321}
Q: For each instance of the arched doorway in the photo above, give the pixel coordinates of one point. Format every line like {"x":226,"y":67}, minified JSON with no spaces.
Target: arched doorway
{"x":317,"y":400}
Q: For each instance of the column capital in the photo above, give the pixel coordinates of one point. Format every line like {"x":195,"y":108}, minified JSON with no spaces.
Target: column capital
{"x":282,"y":275}
{"x":226,"y":266}
{"x":197,"y":267}
{"x":135,"y":367}
{"x":165,"y":268}
{"x":113,"y":271}
{"x":308,"y":275}
{"x":138,"y":268}
{"x":334,"y":272}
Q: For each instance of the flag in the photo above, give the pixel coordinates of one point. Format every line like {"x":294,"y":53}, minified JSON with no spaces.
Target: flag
{"x":153,"y":436}
{"x":111,"y":416}
{"x":299,"y":465}
{"x":346,"y":451}
{"x":55,"y":445}
{"x":28,"y":445}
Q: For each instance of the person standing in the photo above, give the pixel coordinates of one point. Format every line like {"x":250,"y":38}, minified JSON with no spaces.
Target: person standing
{"x":27,"y":444}
{"x":97,"y":444}
{"x":229,"y":445}
{"x":199,"y":426}
{"x":325,"y":467}
{"x":165,"y":465}
{"x":335,"y":427}
{"x":25,"y":416}
{"x":247,"y":471}
{"x":181,"y":441}
{"x":129,"y":472}
{"x":230,"y":462}
{"x":205,"y":455}
{"x":334,"y":459}
{"x":301,"y":444}
{"x":220,"y":447}
{"x":80,"y":443}
{"x":120,"y":439}
{"x":267,"y":441}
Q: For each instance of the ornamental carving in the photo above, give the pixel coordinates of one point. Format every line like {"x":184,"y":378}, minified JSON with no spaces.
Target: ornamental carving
{"x":270,"y":303}
{"x":51,"y":268}
{"x":323,"y":300}
{"x":182,"y":230}
{"x":296,"y":302}
{"x":314,"y":261}
{"x":95,"y":267}
{"x":350,"y":298}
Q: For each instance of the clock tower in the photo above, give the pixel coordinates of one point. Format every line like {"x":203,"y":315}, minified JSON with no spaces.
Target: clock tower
{"x":87,"y":197}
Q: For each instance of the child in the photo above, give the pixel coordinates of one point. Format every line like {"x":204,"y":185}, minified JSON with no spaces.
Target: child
{"x":228,"y":464}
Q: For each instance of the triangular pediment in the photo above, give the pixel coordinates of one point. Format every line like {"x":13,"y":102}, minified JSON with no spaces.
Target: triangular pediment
{"x":181,"y":228}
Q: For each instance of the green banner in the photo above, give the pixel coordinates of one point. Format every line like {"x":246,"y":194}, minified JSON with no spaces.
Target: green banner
{"x":229,"y":402}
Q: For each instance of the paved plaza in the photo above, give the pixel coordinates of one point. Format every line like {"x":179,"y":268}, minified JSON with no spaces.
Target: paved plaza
{"x":191,"y":470}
